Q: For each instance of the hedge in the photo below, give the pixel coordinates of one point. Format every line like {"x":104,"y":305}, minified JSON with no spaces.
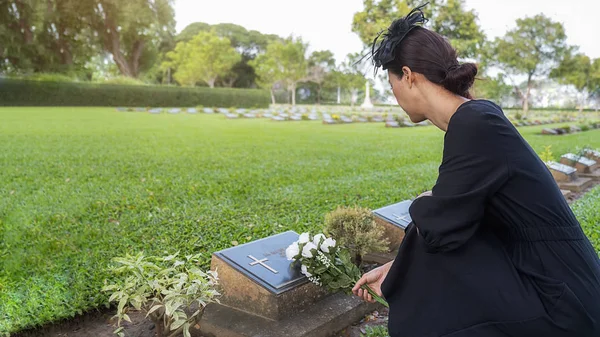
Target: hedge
{"x":37,"y":93}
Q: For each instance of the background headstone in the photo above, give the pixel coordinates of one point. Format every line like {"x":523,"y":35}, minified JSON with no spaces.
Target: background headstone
{"x":562,"y":172}
{"x":581,"y":163}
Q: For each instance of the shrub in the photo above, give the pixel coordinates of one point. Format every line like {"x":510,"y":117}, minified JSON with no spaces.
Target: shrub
{"x":122,"y":80}
{"x":165,"y":291}
{"x":518,"y":116}
{"x":547,"y":155}
{"x":49,"y":77}
{"x":36,"y":93}
{"x":355,"y":228}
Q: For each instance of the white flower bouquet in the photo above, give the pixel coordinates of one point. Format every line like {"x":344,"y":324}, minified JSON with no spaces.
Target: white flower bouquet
{"x":326,"y":264}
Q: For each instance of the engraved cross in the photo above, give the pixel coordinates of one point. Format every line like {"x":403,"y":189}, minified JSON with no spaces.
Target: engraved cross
{"x":262,"y":263}
{"x":400,"y":217}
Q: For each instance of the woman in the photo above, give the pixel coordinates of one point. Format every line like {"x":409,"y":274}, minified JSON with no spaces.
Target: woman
{"x":494,"y":249}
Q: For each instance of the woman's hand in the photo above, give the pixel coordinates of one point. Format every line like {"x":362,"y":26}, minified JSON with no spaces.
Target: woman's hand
{"x":425,"y":194}
{"x":373,"y":279}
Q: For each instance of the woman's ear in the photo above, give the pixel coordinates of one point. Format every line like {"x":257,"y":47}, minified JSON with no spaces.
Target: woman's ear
{"x":407,"y":76}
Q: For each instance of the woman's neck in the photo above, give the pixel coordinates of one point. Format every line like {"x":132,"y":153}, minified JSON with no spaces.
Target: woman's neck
{"x":441,"y":105}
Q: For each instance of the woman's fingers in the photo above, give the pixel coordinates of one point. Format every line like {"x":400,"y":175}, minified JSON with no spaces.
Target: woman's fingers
{"x":360,"y":283}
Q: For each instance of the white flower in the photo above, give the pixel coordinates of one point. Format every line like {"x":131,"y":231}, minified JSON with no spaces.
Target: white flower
{"x":304,"y":238}
{"x":305,"y":271}
{"x":306,"y":251}
{"x":292,"y":251}
{"x":317,"y":239}
{"x":328,"y":243}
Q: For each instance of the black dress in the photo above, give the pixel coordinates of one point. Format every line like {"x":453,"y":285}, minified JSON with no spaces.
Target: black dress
{"x":496,"y":250}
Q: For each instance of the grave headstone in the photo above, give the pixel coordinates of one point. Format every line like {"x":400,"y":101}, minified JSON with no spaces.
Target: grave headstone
{"x":232,"y":116}
{"x":240,"y":111}
{"x":174,"y":111}
{"x":155,"y":111}
{"x":392,"y":124}
{"x":192,"y":110}
{"x":313,"y":117}
{"x":592,"y":154}
{"x":296,"y":117}
{"x":263,"y":295}
{"x":329,"y":121}
{"x":249,"y":115}
{"x":561,"y":172}
{"x":268,"y":115}
{"x":208,"y":111}
{"x":140,"y":109}
{"x":278,"y":118}
{"x":362,"y":119}
{"x":346,"y":119}
{"x":121,"y":109}
{"x":575,"y":128}
{"x":423,"y":123}
{"x":581,"y":163}
{"x":394,"y":218}
{"x":223,"y":110}
{"x":378,"y":119}
{"x":548,"y":131}
{"x":408,"y":124}
{"x":567,"y":178}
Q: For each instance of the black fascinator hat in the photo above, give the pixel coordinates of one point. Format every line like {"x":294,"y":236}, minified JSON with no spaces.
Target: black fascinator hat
{"x":383,"y":51}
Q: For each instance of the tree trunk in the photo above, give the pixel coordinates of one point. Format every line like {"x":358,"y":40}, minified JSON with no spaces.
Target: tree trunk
{"x":294,"y":94}
{"x":112,"y":44}
{"x":583,"y":100}
{"x":272,"y":95}
{"x":339,"y":96}
{"x":526,"y":96}
{"x":136,"y":54}
{"x":319,"y":95}
{"x":211,"y":82}
{"x":24,"y":26}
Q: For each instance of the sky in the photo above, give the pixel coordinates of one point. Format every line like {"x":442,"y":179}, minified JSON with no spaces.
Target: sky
{"x":327,"y":24}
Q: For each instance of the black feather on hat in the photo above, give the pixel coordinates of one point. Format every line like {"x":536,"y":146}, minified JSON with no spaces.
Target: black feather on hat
{"x":383,"y":52}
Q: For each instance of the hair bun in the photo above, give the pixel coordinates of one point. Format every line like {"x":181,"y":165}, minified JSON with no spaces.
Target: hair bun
{"x":459,"y":78}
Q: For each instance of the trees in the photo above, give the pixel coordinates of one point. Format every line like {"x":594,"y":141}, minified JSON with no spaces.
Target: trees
{"x":249,"y":43}
{"x":535,"y":46}
{"x":320,"y":63}
{"x":448,"y":17}
{"x":131,"y":31}
{"x":492,"y":88}
{"x":206,"y":57}
{"x":44,"y":36}
{"x":581,"y":72}
{"x":267,"y":71}
{"x":287,"y":61}
{"x":63,"y":35}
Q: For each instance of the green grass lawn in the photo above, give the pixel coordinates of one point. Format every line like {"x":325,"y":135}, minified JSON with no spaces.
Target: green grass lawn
{"x":82,"y":185}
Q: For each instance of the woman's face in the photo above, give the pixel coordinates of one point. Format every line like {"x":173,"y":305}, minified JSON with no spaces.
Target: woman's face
{"x":407,"y":95}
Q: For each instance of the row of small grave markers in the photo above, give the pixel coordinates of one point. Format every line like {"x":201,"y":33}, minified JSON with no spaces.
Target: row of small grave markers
{"x":282,"y":115}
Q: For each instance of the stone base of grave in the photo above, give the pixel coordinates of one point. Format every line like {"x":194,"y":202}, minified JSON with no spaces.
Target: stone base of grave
{"x":325,"y":318}
{"x":594,"y":175}
{"x":577,"y":185}
{"x":380,"y":258}
{"x":393,"y":233}
{"x":566,"y":194}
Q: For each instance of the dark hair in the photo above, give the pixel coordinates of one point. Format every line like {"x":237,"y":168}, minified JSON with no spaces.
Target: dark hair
{"x":430,"y":54}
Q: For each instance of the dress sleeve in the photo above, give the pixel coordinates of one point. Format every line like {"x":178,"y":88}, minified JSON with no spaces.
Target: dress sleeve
{"x":472,"y":170}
